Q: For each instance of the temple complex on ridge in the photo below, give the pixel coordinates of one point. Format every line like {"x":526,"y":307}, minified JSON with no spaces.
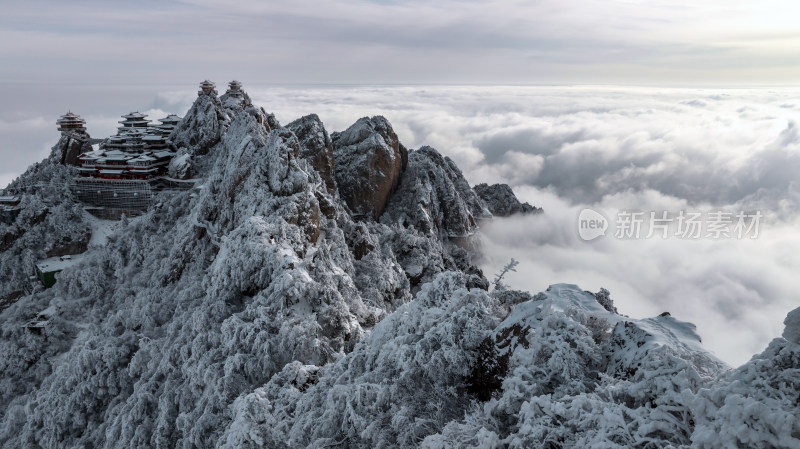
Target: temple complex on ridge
{"x":139,"y":150}
{"x":119,"y":174}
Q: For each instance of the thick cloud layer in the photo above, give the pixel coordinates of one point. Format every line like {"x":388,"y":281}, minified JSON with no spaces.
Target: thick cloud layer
{"x":612,"y":149}
{"x":620,"y":149}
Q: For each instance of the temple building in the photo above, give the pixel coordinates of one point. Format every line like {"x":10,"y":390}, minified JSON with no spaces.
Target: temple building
{"x":207,"y":88}
{"x":133,"y":120}
{"x":137,"y":134}
{"x":138,"y":151}
{"x":235,"y":97}
{"x":168,"y":124}
{"x":71,"y":122}
{"x":116,"y":164}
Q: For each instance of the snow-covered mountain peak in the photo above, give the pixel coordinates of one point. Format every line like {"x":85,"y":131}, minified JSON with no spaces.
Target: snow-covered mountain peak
{"x":321,"y":291}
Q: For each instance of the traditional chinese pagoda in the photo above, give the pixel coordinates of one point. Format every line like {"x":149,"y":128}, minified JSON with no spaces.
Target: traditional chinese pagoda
{"x":116,"y":164}
{"x":168,"y":124}
{"x":70,"y":122}
{"x":133,"y":120}
{"x":139,"y":150}
{"x":235,"y":97}
{"x":207,"y":88}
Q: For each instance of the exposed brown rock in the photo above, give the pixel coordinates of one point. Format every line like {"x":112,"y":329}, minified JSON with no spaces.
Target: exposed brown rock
{"x":369,"y":160}
{"x":70,"y":146}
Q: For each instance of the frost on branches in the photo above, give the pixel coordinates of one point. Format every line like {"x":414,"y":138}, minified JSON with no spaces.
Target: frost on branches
{"x":279,"y":306}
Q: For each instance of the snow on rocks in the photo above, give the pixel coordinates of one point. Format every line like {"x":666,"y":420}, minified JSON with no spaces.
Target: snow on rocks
{"x":260,"y":312}
{"x":316,"y":147}
{"x":71,"y":145}
{"x":502,"y":202}
{"x":180,"y":166}
{"x":755,"y":405}
{"x":202,"y":126}
{"x":434,"y":198}
{"x":369,"y":160}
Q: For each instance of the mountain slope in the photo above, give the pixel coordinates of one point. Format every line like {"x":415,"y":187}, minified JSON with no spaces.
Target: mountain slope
{"x":269,"y":308}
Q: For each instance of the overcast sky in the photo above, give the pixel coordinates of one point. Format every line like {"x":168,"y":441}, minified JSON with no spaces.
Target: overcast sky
{"x":383,"y":41}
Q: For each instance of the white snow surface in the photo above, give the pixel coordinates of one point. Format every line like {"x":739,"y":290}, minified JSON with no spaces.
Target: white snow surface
{"x":259,"y":313}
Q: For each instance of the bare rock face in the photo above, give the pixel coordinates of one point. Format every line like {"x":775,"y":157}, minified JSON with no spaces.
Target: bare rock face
{"x":69,"y":147}
{"x":434,"y":197}
{"x":369,"y":161}
{"x":502,"y":202}
{"x":316,"y":147}
{"x":202,"y":126}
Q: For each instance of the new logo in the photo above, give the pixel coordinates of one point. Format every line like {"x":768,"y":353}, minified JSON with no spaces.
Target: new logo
{"x":591,"y":224}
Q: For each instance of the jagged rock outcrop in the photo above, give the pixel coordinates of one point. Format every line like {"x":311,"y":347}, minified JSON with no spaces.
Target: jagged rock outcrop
{"x":202,"y":126}
{"x":71,"y":145}
{"x":235,"y":100}
{"x":502,"y":202}
{"x":268,"y":121}
{"x":369,"y":159}
{"x":255,"y":311}
{"x":316,"y":147}
{"x":435,"y":198}
{"x":180,"y":166}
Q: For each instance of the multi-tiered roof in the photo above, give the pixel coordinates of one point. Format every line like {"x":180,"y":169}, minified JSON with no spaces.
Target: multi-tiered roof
{"x":139,"y":150}
{"x":168,"y":124}
{"x":71,"y":122}
{"x":207,"y":88}
{"x":133,"y":120}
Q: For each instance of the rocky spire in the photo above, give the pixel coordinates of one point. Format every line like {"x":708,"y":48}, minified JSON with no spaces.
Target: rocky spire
{"x":369,"y":160}
{"x":204,"y":123}
{"x":316,"y":147}
{"x":74,"y":139}
{"x":502,"y":202}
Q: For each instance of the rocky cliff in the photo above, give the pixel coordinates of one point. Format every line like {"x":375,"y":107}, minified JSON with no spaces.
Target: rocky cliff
{"x":71,"y":145}
{"x":369,"y":160}
{"x":502,"y":202}
{"x":311,"y":293}
{"x":434,"y":198}
{"x":316,"y":147}
{"x":202,"y":126}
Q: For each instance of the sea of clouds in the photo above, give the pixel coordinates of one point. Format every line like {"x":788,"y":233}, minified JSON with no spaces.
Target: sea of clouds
{"x":565,"y":149}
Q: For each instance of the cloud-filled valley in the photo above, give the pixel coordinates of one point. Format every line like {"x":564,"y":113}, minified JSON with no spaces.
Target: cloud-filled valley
{"x":566,"y":148}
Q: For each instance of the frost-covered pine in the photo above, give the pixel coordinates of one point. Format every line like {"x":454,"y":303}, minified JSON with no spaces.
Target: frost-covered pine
{"x":278,"y":306}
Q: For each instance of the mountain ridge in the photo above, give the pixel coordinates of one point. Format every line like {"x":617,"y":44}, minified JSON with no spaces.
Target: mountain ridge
{"x":268,"y":308}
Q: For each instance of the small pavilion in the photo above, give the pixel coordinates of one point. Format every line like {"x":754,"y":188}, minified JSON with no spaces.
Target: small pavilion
{"x":71,"y":122}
